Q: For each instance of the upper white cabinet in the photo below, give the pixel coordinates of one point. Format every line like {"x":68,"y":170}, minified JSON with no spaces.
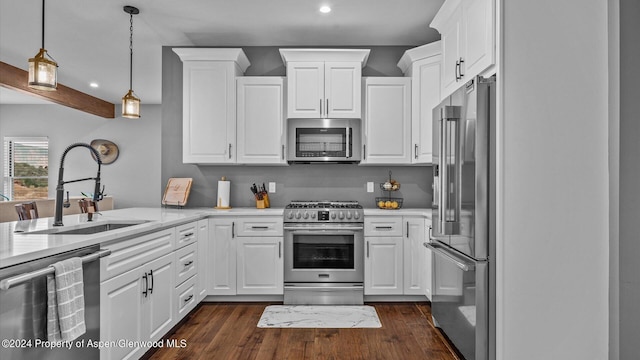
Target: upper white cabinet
{"x":260,"y":120}
{"x":467,"y":29}
{"x":423,"y":65}
{"x":387,"y":121}
{"x":209,"y":103}
{"x":324,"y":83}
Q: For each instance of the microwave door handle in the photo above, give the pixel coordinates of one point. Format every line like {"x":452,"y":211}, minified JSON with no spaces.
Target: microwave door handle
{"x":347,"y":141}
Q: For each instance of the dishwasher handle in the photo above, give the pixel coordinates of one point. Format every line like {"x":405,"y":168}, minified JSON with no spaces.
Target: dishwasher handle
{"x":7,"y":283}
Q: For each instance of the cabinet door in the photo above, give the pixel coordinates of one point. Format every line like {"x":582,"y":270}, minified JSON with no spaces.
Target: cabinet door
{"x":305,"y":89}
{"x":342,"y":90}
{"x":478,"y":36}
{"x":450,"y":40}
{"x":387,"y":121}
{"x":260,"y":121}
{"x":203,"y":259}
{"x":383,"y":266}
{"x":415,"y":264}
{"x":158,"y":318}
{"x":260,"y":265}
{"x":425,"y":94}
{"x":121,"y":309}
{"x":209,"y":112}
{"x":222,"y":257}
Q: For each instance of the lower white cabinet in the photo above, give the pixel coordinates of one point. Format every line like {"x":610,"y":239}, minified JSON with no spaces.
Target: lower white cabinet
{"x":383,"y":265}
{"x":203,"y":259}
{"x":260,"y":265}
{"x":137,"y":306}
{"x":396,"y":262}
{"x":221,"y":263}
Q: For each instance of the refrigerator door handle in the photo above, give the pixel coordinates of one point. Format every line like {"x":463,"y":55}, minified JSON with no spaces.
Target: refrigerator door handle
{"x":459,"y":260}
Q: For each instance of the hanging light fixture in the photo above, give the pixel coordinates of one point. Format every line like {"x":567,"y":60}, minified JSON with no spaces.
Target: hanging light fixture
{"x":43,"y":70}
{"x":130,"y":103}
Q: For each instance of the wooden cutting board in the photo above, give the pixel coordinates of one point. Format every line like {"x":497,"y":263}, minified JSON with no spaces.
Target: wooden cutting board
{"x":177,"y":191}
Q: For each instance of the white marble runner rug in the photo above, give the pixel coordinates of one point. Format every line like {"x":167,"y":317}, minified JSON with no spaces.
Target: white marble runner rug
{"x":319,"y":316}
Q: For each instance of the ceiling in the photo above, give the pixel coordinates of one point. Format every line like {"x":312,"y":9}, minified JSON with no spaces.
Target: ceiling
{"x":90,"y":38}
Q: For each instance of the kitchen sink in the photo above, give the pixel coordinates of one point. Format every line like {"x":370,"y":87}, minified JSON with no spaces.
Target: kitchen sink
{"x":92,"y":229}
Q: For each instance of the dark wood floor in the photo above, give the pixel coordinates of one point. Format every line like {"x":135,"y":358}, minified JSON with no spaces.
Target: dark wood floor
{"x":229,"y":331}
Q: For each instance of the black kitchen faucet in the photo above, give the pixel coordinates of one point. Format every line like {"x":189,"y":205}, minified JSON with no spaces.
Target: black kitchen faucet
{"x":97,"y":194}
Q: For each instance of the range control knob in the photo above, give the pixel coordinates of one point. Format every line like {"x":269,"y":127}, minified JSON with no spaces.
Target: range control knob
{"x":356,"y":215}
{"x":340,"y":215}
{"x":349,"y":215}
{"x":290,"y":215}
{"x":333,"y":215}
{"x":313,"y":215}
{"x":298,"y":215}
{"x":306,"y":215}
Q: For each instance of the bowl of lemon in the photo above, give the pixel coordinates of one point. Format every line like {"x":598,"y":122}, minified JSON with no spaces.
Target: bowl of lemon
{"x":388,"y":203}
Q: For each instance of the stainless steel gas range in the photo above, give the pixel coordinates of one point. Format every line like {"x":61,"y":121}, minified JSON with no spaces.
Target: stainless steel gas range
{"x":323,"y":253}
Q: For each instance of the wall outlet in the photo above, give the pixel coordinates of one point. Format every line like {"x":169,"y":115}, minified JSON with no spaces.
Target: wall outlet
{"x":272,"y":187}
{"x":370,"y":186}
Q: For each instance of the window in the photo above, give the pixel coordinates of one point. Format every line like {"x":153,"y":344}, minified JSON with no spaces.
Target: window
{"x":26,"y":168}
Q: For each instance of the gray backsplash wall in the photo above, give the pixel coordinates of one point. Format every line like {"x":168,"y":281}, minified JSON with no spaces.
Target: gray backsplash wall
{"x":295,"y":182}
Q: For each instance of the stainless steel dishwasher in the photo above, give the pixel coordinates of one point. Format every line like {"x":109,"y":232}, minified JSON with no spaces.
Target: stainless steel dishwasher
{"x":23,"y":308}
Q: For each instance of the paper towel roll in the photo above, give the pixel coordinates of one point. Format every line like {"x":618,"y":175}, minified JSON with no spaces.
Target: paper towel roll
{"x":224,"y":188}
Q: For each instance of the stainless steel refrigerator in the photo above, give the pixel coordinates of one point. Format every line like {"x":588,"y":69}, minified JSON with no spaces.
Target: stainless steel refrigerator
{"x":462,"y":236}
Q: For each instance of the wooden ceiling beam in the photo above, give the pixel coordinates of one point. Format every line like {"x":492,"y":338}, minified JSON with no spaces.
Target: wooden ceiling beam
{"x":16,"y":79}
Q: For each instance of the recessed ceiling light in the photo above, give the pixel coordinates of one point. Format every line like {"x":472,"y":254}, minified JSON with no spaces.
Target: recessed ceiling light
{"x":94,"y":84}
{"x":325,"y":9}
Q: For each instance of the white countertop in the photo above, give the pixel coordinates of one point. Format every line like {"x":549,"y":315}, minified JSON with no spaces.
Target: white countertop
{"x":18,"y":244}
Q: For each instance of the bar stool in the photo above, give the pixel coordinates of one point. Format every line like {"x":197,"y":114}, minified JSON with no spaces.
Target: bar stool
{"x":27,"y":211}
{"x":88,"y":206}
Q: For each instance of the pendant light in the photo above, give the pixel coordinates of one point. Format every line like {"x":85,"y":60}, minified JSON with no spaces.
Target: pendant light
{"x":43,"y":70}
{"x":130,"y":103}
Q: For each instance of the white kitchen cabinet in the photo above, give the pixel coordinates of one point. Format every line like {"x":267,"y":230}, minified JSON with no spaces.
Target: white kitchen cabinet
{"x":396,"y":262}
{"x":203,"y":259}
{"x":260,"y":120}
{"x":416,"y":265}
{"x":383,"y":265}
{"x":467,"y":33}
{"x":209,"y":103}
{"x":387,"y":120}
{"x":137,"y":306}
{"x":260,"y":266}
{"x":222,"y":257}
{"x":424,"y":66}
{"x":324,"y":83}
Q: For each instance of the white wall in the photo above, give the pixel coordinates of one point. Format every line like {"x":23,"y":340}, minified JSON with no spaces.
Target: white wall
{"x":552,"y":285}
{"x":133,"y":179}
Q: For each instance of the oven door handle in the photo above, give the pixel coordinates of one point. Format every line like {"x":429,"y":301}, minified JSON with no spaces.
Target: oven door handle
{"x":323,"y":230}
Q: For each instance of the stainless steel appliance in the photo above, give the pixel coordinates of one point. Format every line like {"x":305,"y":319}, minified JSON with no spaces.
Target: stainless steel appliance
{"x":324,"y":253}
{"x":324,"y":140}
{"x":23,"y":308}
{"x":463,"y":218}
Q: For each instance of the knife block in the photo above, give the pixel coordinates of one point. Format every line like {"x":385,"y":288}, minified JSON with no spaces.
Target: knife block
{"x":264,"y":203}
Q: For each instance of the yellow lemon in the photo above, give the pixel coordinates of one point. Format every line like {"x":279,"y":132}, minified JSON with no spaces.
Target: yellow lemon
{"x":387,"y":204}
{"x":394,"y":204}
{"x":381,"y":204}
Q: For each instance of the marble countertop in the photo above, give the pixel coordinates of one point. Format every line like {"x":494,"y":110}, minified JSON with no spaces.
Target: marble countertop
{"x":20,"y":242}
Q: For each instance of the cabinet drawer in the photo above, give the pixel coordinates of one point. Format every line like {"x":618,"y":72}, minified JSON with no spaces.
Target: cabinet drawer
{"x":259,"y":226}
{"x":185,"y":296}
{"x":129,"y":254}
{"x":186,"y":234}
{"x":383,"y":226}
{"x":186,"y":263}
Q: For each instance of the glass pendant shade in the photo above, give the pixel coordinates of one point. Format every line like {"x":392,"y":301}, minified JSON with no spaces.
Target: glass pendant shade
{"x":43,"y":72}
{"x":130,"y":106}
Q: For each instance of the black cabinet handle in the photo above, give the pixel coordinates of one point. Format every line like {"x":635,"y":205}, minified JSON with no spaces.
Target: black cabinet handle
{"x":151,"y":276}
{"x":367,"y":248}
{"x":146,"y":284}
{"x":229,"y":151}
{"x":188,"y":263}
{"x":187,"y":234}
{"x":188,"y":298}
{"x":415,"y":151}
{"x":279,"y":250}
{"x":407,"y":229}
{"x":233,"y":229}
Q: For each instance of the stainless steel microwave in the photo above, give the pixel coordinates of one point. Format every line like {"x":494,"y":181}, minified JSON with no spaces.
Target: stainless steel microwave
{"x":324,"y":140}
